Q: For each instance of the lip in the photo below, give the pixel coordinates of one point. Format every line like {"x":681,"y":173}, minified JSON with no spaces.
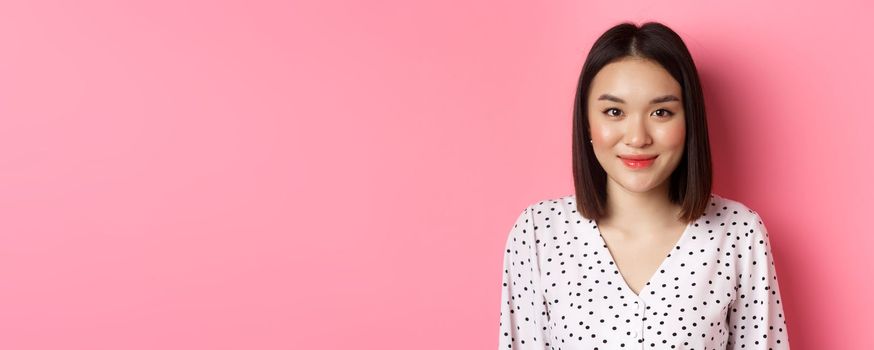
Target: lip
{"x":638,"y":156}
{"x":638,"y":161}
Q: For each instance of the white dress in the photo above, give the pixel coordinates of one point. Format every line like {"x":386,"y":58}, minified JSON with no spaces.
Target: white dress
{"x":717,"y":289}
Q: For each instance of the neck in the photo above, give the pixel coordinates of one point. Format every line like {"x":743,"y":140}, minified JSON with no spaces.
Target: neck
{"x":629,"y":210}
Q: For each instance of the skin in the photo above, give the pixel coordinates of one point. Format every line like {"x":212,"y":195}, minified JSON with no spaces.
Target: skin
{"x":641,"y":225}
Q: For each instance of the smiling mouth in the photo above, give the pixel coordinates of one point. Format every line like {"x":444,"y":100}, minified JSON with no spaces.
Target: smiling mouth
{"x":638,"y":163}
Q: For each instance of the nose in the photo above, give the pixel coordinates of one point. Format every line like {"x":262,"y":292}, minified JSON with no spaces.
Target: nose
{"x":636,"y":133}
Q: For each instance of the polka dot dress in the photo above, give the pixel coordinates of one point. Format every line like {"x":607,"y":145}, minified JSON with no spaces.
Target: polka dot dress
{"x":717,"y":289}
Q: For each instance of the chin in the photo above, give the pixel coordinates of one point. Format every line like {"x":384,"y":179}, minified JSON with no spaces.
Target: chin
{"x":637,"y":184}
{"x":639,"y":189}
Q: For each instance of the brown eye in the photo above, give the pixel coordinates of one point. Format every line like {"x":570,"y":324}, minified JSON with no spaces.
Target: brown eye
{"x":668,"y":115}
{"x":607,"y":111}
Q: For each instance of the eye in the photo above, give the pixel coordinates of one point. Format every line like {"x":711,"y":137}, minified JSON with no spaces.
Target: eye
{"x":607,"y":111}
{"x":668,"y":115}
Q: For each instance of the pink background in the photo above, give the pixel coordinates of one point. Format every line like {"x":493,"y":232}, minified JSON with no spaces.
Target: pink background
{"x":341,"y":175}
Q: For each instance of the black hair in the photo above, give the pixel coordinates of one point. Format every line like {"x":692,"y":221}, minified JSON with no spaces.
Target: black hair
{"x":690,"y":183}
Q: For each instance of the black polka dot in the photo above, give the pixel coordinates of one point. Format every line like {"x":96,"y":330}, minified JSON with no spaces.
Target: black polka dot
{"x":716,"y":287}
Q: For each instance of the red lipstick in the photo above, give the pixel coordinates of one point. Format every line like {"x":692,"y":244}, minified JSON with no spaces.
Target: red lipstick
{"x":638,"y":161}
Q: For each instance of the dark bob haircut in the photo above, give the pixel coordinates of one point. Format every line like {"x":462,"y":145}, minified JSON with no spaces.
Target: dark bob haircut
{"x":691,"y":181}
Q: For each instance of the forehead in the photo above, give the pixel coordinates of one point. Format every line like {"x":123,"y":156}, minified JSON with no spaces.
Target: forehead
{"x":634,"y":79}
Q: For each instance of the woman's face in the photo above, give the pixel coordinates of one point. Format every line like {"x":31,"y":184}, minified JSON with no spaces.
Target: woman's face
{"x":624,"y":121}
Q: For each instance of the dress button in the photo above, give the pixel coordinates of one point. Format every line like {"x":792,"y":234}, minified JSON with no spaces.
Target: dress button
{"x":634,"y":334}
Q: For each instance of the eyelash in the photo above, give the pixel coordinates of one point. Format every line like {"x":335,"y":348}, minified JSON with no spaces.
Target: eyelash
{"x":660,"y":109}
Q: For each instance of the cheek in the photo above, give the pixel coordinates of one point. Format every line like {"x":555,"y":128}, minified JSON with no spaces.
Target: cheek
{"x":602,"y":134}
{"x":674,"y":137}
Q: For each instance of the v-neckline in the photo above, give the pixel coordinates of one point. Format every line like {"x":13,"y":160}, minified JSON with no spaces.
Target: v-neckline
{"x":664,"y":263}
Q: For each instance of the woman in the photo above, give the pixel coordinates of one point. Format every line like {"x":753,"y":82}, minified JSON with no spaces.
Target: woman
{"x":642,"y":255}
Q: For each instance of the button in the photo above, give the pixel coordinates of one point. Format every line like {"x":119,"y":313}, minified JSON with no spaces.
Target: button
{"x":638,"y":306}
{"x":634,"y":334}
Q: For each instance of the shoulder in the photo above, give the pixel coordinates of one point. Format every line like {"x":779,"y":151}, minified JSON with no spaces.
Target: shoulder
{"x":543,"y":215}
{"x":739,"y":220}
{"x":551,"y":208}
{"x":732,"y":209}
{"x":554,"y":201}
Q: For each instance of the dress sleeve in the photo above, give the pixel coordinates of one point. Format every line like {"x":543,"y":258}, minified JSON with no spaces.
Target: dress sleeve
{"x":755,"y":317}
{"x":524,"y":315}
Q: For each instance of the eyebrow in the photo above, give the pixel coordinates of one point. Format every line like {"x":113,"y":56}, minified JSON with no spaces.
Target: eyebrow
{"x":662,"y":99}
